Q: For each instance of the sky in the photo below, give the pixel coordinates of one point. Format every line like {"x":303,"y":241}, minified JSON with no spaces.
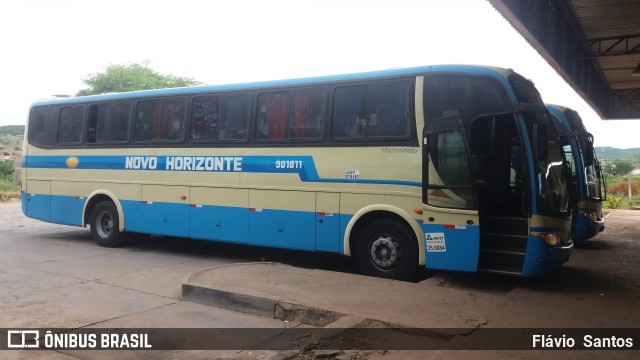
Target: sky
{"x":48,"y":47}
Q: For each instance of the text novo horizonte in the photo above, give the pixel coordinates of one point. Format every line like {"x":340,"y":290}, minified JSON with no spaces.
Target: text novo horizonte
{"x":185,"y":163}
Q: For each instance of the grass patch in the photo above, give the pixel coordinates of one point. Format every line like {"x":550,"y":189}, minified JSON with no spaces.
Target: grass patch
{"x":9,"y":186}
{"x":7,"y":195}
{"x":9,"y":190}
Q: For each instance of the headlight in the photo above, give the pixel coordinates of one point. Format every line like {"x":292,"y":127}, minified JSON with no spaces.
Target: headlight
{"x":550,"y":238}
{"x":591,"y":216}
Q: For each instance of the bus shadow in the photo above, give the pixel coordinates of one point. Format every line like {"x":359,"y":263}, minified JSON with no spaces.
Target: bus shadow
{"x":569,"y":280}
{"x":241,"y":253}
{"x":480,"y":282}
{"x":572,"y":280}
{"x":207,"y":249}
{"x":251,"y":253}
{"x":82,"y":235}
{"x":594,"y":245}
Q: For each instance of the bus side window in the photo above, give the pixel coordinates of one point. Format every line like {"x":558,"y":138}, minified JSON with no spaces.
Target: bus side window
{"x":372,"y":111}
{"x":160,"y":120}
{"x":41,"y":132}
{"x":272,"y":115}
{"x":219,"y":118}
{"x":389,"y":111}
{"x":70,"y":126}
{"x":204,"y":118}
{"x":306,"y":120}
{"x":291,"y":115}
{"x":349,"y":112}
{"x":113,"y":122}
{"x":234,"y":117}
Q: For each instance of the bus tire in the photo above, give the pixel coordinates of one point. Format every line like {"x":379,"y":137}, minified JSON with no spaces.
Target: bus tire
{"x":387,"y":249}
{"x":105,"y":225}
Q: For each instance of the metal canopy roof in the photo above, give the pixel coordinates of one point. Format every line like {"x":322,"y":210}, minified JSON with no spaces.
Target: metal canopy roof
{"x":593,"y":44}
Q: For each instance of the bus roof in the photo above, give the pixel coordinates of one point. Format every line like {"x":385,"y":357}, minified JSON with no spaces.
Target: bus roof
{"x":496,"y":72}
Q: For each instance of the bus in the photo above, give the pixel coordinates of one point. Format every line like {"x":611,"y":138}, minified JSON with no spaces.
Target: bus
{"x":588,"y":182}
{"x":451,"y":167}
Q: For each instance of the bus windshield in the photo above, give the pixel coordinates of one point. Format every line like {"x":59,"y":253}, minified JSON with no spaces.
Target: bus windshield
{"x":593,"y":179}
{"x":549,"y":165}
{"x":591,"y":168}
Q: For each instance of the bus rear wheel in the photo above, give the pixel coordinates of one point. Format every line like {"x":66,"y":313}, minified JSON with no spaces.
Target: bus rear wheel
{"x":105,"y":225}
{"x":387,"y":249}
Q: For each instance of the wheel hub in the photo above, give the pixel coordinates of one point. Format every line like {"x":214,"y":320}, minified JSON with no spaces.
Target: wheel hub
{"x":105,"y":224}
{"x":385,"y":252}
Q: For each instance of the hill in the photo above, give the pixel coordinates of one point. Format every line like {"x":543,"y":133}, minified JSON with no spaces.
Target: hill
{"x":11,"y":137}
{"x":610,"y":154}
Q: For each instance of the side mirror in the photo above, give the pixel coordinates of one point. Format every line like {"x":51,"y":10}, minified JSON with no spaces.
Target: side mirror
{"x":588,"y":152}
{"x":540,"y":143}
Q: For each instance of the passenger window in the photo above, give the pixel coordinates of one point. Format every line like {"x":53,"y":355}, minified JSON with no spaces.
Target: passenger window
{"x":112,"y":123}
{"x":372,"y":111}
{"x":160,"y":120}
{"x":221,"y":118}
{"x":41,"y":132}
{"x":70,"y":126}
{"x":291,"y":115}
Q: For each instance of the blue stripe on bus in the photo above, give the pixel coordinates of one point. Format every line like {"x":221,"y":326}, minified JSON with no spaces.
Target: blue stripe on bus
{"x":304,"y":166}
{"x":287,"y":229}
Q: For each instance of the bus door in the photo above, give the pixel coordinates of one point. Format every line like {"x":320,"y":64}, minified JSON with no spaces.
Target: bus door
{"x":451,"y":223}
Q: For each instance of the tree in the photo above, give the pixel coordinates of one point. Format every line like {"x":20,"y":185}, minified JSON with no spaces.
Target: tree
{"x":621,"y":167}
{"x":122,"y":78}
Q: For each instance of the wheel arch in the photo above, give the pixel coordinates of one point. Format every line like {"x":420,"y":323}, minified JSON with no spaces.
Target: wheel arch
{"x":96,"y":197}
{"x":371,"y":213}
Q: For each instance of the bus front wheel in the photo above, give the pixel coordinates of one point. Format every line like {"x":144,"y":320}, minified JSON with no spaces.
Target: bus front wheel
{"x":387,"y":249}
{"x":105,"y":225}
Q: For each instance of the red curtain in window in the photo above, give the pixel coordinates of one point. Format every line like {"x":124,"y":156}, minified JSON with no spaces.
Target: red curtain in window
{"x":302,"y":121}
{"x":156,"y":122}
{"x":161,"y":117}
{"x":277,"y":116}
{"x":169,"y":109}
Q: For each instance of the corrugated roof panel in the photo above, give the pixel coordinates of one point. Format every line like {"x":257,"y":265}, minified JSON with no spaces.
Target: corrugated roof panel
{"x":604,"y":18}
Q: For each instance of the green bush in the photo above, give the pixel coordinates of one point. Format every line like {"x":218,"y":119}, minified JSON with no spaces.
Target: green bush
{"x":613,"y":201}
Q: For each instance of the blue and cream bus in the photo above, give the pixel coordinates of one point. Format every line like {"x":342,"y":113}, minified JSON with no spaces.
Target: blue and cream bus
{"x":444,"y":167}
{"x":588,"y":183}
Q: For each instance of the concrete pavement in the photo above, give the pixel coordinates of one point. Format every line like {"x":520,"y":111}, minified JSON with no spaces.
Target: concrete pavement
{"x":53,"y":275}
{"x":598,"y":288}
{"x":318,"y":297}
